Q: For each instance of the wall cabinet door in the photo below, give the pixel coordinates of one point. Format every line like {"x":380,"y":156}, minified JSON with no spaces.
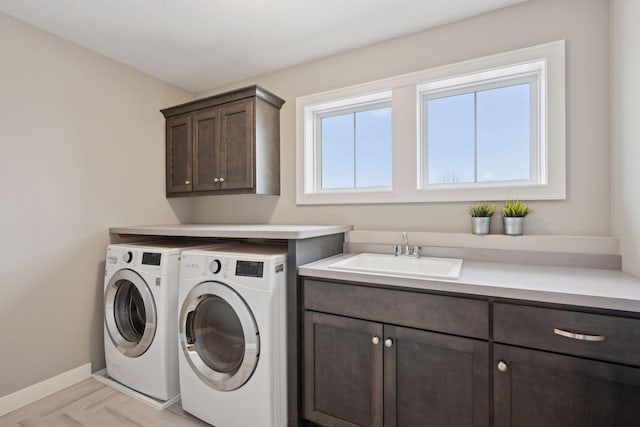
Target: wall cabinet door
{"x":433,"y":379}
{"x":342,"y":371}
{"x":206,"y":148}
{"x":179,"y":155}
{"x":236,"y":146}
{"x":536,"y":388}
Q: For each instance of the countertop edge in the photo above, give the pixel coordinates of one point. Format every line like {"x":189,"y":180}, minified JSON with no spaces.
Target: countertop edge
{"x":259,"y":231}
{"x":319,"y":269}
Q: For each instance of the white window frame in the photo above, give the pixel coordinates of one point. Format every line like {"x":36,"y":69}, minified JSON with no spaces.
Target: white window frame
{"x":532,"y":73}
{"x":407,"y":148}
{"x":346,"y":106}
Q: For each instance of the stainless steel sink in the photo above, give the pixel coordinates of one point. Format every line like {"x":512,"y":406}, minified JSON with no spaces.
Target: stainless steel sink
{"x":401,"y":266}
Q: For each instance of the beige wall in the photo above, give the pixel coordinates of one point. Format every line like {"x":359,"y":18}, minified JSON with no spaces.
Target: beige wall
{"x":82,"y":150}
{"x":625,"y":125}
{"x":583,"y":23}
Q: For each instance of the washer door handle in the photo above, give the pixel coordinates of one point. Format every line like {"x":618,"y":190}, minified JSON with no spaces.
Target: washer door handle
{"x":188,"y":328}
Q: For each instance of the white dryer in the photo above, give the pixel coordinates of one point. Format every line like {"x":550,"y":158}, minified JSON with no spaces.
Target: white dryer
{"x":140,"y":315}
{"x":232,"y":358}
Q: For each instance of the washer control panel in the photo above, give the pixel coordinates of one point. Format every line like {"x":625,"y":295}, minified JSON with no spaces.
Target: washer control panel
{"x":151,"y":258}
{"x":134,"y":258}
{"x":249,"y":268}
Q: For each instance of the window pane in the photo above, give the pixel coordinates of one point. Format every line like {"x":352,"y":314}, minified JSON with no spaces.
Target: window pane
{"x":503,"y":133}
{"x":337,"y":147}
{"x":373,"y":148}
{"x":450,"y":139}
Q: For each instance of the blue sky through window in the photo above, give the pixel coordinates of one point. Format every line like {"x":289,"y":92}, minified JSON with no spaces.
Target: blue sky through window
{"x":489,"y":144}
{"x":356,"y":149}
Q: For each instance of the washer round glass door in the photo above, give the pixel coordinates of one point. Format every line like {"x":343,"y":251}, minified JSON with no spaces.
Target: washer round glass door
{"x":219,"y":336}
{"x":129,"y":313}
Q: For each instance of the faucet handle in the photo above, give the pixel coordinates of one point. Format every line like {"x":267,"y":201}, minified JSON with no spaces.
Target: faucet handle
{"x":416,"y":251}
{"x":397,"y":250}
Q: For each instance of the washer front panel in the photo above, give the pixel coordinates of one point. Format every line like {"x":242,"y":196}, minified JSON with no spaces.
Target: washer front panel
{"x":129,"y":313}
{"x":219,"y":336}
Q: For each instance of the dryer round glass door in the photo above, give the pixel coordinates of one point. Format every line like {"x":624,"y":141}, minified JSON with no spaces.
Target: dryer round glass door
{"x":219,"y":336}
{"x":129,"y":313}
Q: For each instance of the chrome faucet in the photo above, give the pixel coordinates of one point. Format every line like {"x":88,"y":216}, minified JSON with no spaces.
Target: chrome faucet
{"x":405,"y":237}
{"x":397,"y":249}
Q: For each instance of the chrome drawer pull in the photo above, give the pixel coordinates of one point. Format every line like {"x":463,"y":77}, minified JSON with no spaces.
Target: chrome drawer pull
{"x":576,"y":336}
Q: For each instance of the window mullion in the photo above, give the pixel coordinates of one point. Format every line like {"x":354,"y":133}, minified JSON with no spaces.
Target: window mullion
{"x":355,"y":153}
{"x":475,"y":137}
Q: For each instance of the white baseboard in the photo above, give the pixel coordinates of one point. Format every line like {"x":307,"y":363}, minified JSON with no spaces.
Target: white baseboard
{"x":20,"y":398}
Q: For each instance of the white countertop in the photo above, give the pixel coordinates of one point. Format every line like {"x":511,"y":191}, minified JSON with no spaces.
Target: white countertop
{"x":609,"y":289}
{"x":242,"y":231}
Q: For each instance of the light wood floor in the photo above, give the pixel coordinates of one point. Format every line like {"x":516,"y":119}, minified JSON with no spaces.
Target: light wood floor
{"x":91,"y":403}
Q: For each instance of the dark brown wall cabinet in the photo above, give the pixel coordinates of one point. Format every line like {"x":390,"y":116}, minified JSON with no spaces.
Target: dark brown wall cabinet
{"x":362,"y":372}
{"x":224,"y":144}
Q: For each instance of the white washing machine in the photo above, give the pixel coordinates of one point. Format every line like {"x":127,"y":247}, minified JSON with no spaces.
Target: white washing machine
{"x":232,"y":358}
{"x":140,"y":315}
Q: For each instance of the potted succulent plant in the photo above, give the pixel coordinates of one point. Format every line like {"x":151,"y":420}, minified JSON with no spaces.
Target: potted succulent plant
{"x":481,"y":214}
{"x":513,"y":213}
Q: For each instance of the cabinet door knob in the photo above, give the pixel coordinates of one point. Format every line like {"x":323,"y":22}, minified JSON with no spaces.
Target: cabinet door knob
{"x":221,"y":179}
{"x":216,"y":179}
{"x":502,"y":367}
{"x":187,"y":182}
{"x":375,"y":340}
{"x":388,"y":342}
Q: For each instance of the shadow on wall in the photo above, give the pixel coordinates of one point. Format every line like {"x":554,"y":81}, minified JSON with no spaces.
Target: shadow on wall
{"x":183,"y":207}
{"x":97,"y":338}
{"x":234,"y":209}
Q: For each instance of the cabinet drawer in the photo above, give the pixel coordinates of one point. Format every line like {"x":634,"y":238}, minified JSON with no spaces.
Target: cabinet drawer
{"x":459,"y":316}
{"x":603,"y":337}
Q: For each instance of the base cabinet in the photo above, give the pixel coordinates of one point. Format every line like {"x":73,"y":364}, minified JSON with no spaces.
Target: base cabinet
{"x":535,"y":388}
{"x":393,"y":357}
{"x":363,"y":373}
{"x":343,"y":370}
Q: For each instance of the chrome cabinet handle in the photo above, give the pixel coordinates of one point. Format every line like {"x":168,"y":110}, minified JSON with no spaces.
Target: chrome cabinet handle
{"x":388,"y":342}
{"x":576,"y":336}
{"x":375,"y":340}
{"x":216,"y":179}
{"x":187,"y":182}
{"x":221,"y":179}
{"x":502,"y":367}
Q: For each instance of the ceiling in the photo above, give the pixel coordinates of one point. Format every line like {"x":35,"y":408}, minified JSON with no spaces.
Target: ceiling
{"x":203,"y":44}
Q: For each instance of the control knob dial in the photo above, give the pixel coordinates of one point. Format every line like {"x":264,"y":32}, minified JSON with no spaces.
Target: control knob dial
{"x":215,"y":266}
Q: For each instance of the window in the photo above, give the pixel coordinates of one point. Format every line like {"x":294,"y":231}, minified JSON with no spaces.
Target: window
{"x":348,"y":145}
{"x":483,"y":129}
{"x":491,"y":128}
{"x":355,"y":147}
